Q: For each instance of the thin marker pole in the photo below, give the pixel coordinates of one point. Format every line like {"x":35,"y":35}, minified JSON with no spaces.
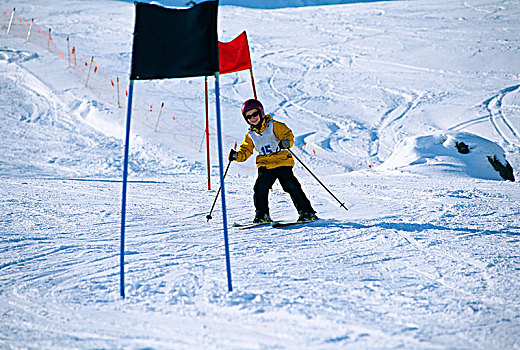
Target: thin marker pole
{"x":89,"y":69}
{"x":223,"y":191}
{"x":11,"y":21}
{"x":68,"y":50}
{"x":159,"y":117}
{"x":118,"y":100}
{"x":206,"y":94}
{"x":49,"y":41}
{"x":30,"y":29}
{"x":125,"y":176}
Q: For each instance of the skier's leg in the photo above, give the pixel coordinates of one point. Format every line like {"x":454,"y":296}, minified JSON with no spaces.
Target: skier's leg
{"x":264,"y":182}
{"x":291,"y":185}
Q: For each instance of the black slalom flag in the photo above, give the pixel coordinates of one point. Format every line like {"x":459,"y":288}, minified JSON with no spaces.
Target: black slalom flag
{"x":175,"y":43}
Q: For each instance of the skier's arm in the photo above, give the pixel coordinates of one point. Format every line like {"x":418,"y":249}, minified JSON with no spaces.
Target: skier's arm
{"x":246,"y":149}
{"x":282,"y":132}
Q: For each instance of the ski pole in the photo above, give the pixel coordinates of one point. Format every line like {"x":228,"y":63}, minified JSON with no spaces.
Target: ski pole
{"x":209,"y":217}
{"x":321,"y":183}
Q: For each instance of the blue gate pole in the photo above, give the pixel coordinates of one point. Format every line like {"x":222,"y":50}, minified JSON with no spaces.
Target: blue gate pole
{"x":125,"y":176}
{"x":222,"y":191}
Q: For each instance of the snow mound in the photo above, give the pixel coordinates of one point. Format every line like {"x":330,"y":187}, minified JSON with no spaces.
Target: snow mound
{"x":452,"y":152}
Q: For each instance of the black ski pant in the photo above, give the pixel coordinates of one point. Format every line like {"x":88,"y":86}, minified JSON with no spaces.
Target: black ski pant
{"x":265,"y":180}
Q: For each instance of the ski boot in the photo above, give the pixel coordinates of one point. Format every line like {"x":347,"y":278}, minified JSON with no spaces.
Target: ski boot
{"x":307,"y":216}
{"x":262,"y":218}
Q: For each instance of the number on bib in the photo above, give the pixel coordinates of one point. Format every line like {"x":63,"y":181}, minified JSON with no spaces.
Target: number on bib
{"x":266,"y":150}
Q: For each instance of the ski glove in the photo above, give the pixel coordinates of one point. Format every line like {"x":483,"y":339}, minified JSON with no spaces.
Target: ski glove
{"x":284,"y":144}
{"x":233,"y":155}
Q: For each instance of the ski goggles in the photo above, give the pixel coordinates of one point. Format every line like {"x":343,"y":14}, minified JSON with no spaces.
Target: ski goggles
{"x":252,"y":115}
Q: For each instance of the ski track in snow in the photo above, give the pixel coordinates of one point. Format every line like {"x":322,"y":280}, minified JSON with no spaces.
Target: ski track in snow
{"x":500,"y":123}
{"x":495,"y":114}
{"x":418,"y":262}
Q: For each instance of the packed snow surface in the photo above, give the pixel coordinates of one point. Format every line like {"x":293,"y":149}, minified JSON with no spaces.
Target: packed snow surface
{"x":377,"y":94}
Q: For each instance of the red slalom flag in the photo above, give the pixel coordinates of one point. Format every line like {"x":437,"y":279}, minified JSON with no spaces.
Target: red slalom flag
{"x":234,"y":55}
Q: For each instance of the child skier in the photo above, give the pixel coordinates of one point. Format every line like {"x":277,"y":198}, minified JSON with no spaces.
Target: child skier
{"x":270,"y":139}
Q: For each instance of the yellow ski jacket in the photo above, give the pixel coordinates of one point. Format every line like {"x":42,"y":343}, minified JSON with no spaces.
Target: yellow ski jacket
{"x":265,"y":141}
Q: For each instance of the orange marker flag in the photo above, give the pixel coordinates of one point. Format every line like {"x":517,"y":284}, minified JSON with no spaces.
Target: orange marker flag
{"x":50,"y":37}
{"x":112,"y":82}
{"x":73,"y":50}
{"x":95,"y":69}
{"x":39,"y":31}
{"x":21,"y":21}
{"x":62,"y":55}
{"x":173,"y":116}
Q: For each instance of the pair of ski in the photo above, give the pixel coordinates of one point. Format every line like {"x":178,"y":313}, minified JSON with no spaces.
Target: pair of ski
{"x":272,"y":224}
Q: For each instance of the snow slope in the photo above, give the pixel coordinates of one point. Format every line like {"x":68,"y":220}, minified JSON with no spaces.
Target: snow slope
{"x":425,"y":258}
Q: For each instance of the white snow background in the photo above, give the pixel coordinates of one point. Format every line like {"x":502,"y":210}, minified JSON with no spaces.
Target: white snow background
{"x":427,"y":257}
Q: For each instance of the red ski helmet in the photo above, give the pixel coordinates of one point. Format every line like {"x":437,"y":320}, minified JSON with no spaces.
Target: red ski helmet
{"x":252,"y":104}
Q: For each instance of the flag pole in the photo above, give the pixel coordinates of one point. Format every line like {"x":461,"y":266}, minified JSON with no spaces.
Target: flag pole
{"x":222,"y":191}
{"x":253,"y":82}
{"x":125,"y":176}
{"x":207,"y":131}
